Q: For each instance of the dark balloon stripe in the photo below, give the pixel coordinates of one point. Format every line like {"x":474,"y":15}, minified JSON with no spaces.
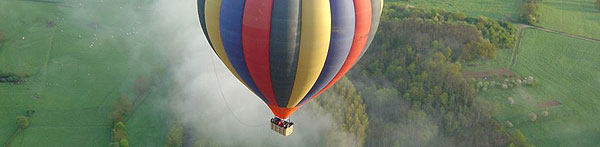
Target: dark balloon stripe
{"x":342,"y":26}
{"x":256,"y":28}
{"x":231,"y":34}
{"x":376,"y":7}
{"x":201,"y":14}
{"x":284,"y":46}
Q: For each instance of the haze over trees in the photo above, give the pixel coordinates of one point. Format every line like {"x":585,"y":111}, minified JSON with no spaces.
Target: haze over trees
{"x":118,"y":116}
{"x":119,"y":135}
{"x":411,"y":76}
{"x":346,"y":105}
{"x":121,"y":109}
{"x":175,"y":134}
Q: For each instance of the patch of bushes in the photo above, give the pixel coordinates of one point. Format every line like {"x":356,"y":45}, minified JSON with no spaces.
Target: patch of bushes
{"x":598,"y":4}
{"x":529,"y":12}
{"x":519,"y":140}
{"x":481,"y":49}
{"x":119,"y":135}
{"x":13,"y":78}
{"x":507,"y":83}
{"x":22,"y":122}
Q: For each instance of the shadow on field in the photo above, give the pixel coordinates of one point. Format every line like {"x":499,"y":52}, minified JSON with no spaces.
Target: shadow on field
{"x":58,"y":3}
{"x":46,"y":1}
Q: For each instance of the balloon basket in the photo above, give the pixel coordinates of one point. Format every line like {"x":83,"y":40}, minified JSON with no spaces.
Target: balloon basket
{"x":283,"y":127}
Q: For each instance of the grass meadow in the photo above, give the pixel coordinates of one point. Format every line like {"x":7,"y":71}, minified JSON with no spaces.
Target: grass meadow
{"x":80,"y":57}
{"x":566,"y":70}
{"x":579,"y":17}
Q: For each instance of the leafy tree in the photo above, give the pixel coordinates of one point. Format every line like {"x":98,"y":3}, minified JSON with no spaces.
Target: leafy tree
{"x":124,"y":143}
{"x":529,"y":12}
{"x":520,"y":139}
{"x":22,"y":122}
{"x":119,"y":132}
{"x":484,"y":49}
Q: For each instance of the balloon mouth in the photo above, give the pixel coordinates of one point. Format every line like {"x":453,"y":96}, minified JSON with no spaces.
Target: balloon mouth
{"x":282,"y":112}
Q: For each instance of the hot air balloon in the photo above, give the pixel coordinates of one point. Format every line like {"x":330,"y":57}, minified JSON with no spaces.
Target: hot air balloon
{"x":289,"y":51}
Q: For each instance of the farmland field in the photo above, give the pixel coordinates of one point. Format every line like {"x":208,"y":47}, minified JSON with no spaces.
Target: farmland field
{"x":579,"y":17}
{"x":566,"y":70}
{"x":497,"y":9}
{"x":79,"y":58}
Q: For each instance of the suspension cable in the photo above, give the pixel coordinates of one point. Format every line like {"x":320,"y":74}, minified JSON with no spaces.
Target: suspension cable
{"x":225,"y":100}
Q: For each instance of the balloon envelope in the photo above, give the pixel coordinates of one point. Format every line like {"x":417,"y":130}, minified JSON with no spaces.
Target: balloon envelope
{"x":289,"y":51}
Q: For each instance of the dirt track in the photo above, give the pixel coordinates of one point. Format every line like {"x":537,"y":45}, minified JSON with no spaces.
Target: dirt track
{"x":548,"y":104}
{"x":524,"y":26}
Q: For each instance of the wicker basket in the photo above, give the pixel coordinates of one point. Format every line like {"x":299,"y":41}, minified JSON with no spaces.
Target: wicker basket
{"x":281,"y":130}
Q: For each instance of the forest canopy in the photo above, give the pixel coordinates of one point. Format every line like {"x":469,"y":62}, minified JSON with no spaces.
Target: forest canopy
{"x":414,"y":92}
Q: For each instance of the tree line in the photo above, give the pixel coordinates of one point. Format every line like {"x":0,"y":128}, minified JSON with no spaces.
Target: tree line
{"x":119,"y":114}
{"x":123,"y":110}
{"x":6,"y":77}
{"x":501,"y":34}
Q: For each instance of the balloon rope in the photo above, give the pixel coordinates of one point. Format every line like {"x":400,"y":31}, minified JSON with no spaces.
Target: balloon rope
{"x":225,"y":100}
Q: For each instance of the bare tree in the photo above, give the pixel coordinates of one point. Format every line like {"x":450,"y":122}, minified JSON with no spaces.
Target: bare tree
{"x":509,"y":124}
{"x":532,"y":116}
{"x":511,"y":100}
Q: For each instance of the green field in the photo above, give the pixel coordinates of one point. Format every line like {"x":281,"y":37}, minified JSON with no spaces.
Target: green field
{"x":80,"y":57}
{"x":498,"y":9}
{"x":579,"y":17}
{"x":567,"y":70}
